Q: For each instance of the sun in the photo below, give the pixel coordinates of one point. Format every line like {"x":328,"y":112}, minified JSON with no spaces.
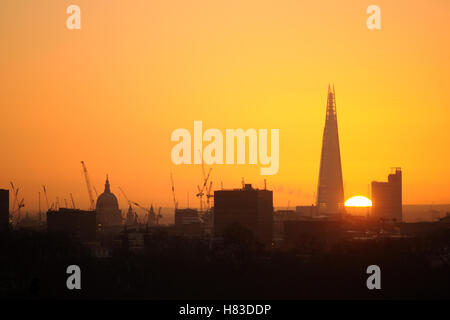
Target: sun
{"x":358,"y":201}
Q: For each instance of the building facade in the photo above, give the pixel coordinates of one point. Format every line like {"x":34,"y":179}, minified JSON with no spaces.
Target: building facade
{"x":73,"y":222}
{"x":250,"y":208}
{"x":186,"y":216}
{"x":330,"y":189}
{"x":4,"y":209}
{"x":387,"y":197}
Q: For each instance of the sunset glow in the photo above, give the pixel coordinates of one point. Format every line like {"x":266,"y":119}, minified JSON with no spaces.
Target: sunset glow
{"x":268,"y":152}
{"x":112,"y":93}
{"x":358,"y":201}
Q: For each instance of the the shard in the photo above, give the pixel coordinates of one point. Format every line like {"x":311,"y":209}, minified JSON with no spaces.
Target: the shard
{"x":330,"y":190}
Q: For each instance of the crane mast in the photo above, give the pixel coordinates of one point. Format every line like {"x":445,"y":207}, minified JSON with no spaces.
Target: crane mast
{"x":208,"y":196}
{"x":20,"y":205}
{"x":152,"y":217}
{"x":73,"y":201}
{"x":201,"y":191}
{"x":96,"y":193}
{"x":88,"y":184}
{"x":159,"y":215}
{"x":46,"y":198}
{"x":39,"y":206}
{"x":173,"y":192}
{"x":125,"y":196}
{"x":15,"y":192}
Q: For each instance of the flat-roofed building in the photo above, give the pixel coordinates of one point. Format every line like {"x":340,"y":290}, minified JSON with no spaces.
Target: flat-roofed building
{"x":188,"y":223}
{"x":4,"y":209}
{"x":313,"y":233}
{"x":186,"y":216}
{"x":73,"y":222}
{"x":387,"y":197}
{"x":249,"y":208}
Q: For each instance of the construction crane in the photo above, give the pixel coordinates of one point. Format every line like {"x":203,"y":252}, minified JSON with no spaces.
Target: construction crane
{"x":15,"y":192}
{"x":88,"y":184}
{"x":201,"y":194}
{"x":20,"y":205}
{"x":201,"y":190}
{"x":151,"y":216}
{"x":95,"y":190}
{"x":46,"y":198}
{"x":159,"y":215}
{"x":209,"y":195}
{"x":73,"y":202}
{"x":173,"y":192}
{"x":203,"y":165}
{"x":131,"y":218}
{"x":39,"y":207}
{"x":125,"y":196}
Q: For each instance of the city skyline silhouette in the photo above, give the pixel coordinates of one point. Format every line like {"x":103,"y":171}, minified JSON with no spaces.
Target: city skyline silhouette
{"x":188,"y":152}
{"x":103,"y":95}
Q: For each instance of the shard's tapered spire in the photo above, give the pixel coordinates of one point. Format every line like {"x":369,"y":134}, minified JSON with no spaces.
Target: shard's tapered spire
{"x":330,"y":190}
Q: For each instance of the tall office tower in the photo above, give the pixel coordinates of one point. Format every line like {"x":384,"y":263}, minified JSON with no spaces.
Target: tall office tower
{"x":330,"y":190}
{"x":4,"y":209}
{"x":248,"y":207}
{"x":387,"y":197}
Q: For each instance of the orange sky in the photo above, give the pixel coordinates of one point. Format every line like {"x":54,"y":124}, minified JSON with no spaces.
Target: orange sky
{"x":112,"y":93}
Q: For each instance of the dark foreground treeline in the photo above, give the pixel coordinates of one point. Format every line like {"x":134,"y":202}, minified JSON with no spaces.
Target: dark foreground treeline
{"x":33,"y":265}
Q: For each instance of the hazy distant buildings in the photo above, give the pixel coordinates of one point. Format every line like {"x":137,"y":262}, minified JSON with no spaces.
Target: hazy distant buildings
{"x":281,"y":216}
{"x":307,"y":211}
{"x":188,"y":223}
{"x":131,"y":219}
{"x":4,"y":208}
{"x":73,"y":222}
{"x":249,"y":208}
{"x":387,"y":197}
{"x":186,"y":216}
{"x":330,"y":190}
{"x":107,"y":208}
{"x":313,"y":233}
